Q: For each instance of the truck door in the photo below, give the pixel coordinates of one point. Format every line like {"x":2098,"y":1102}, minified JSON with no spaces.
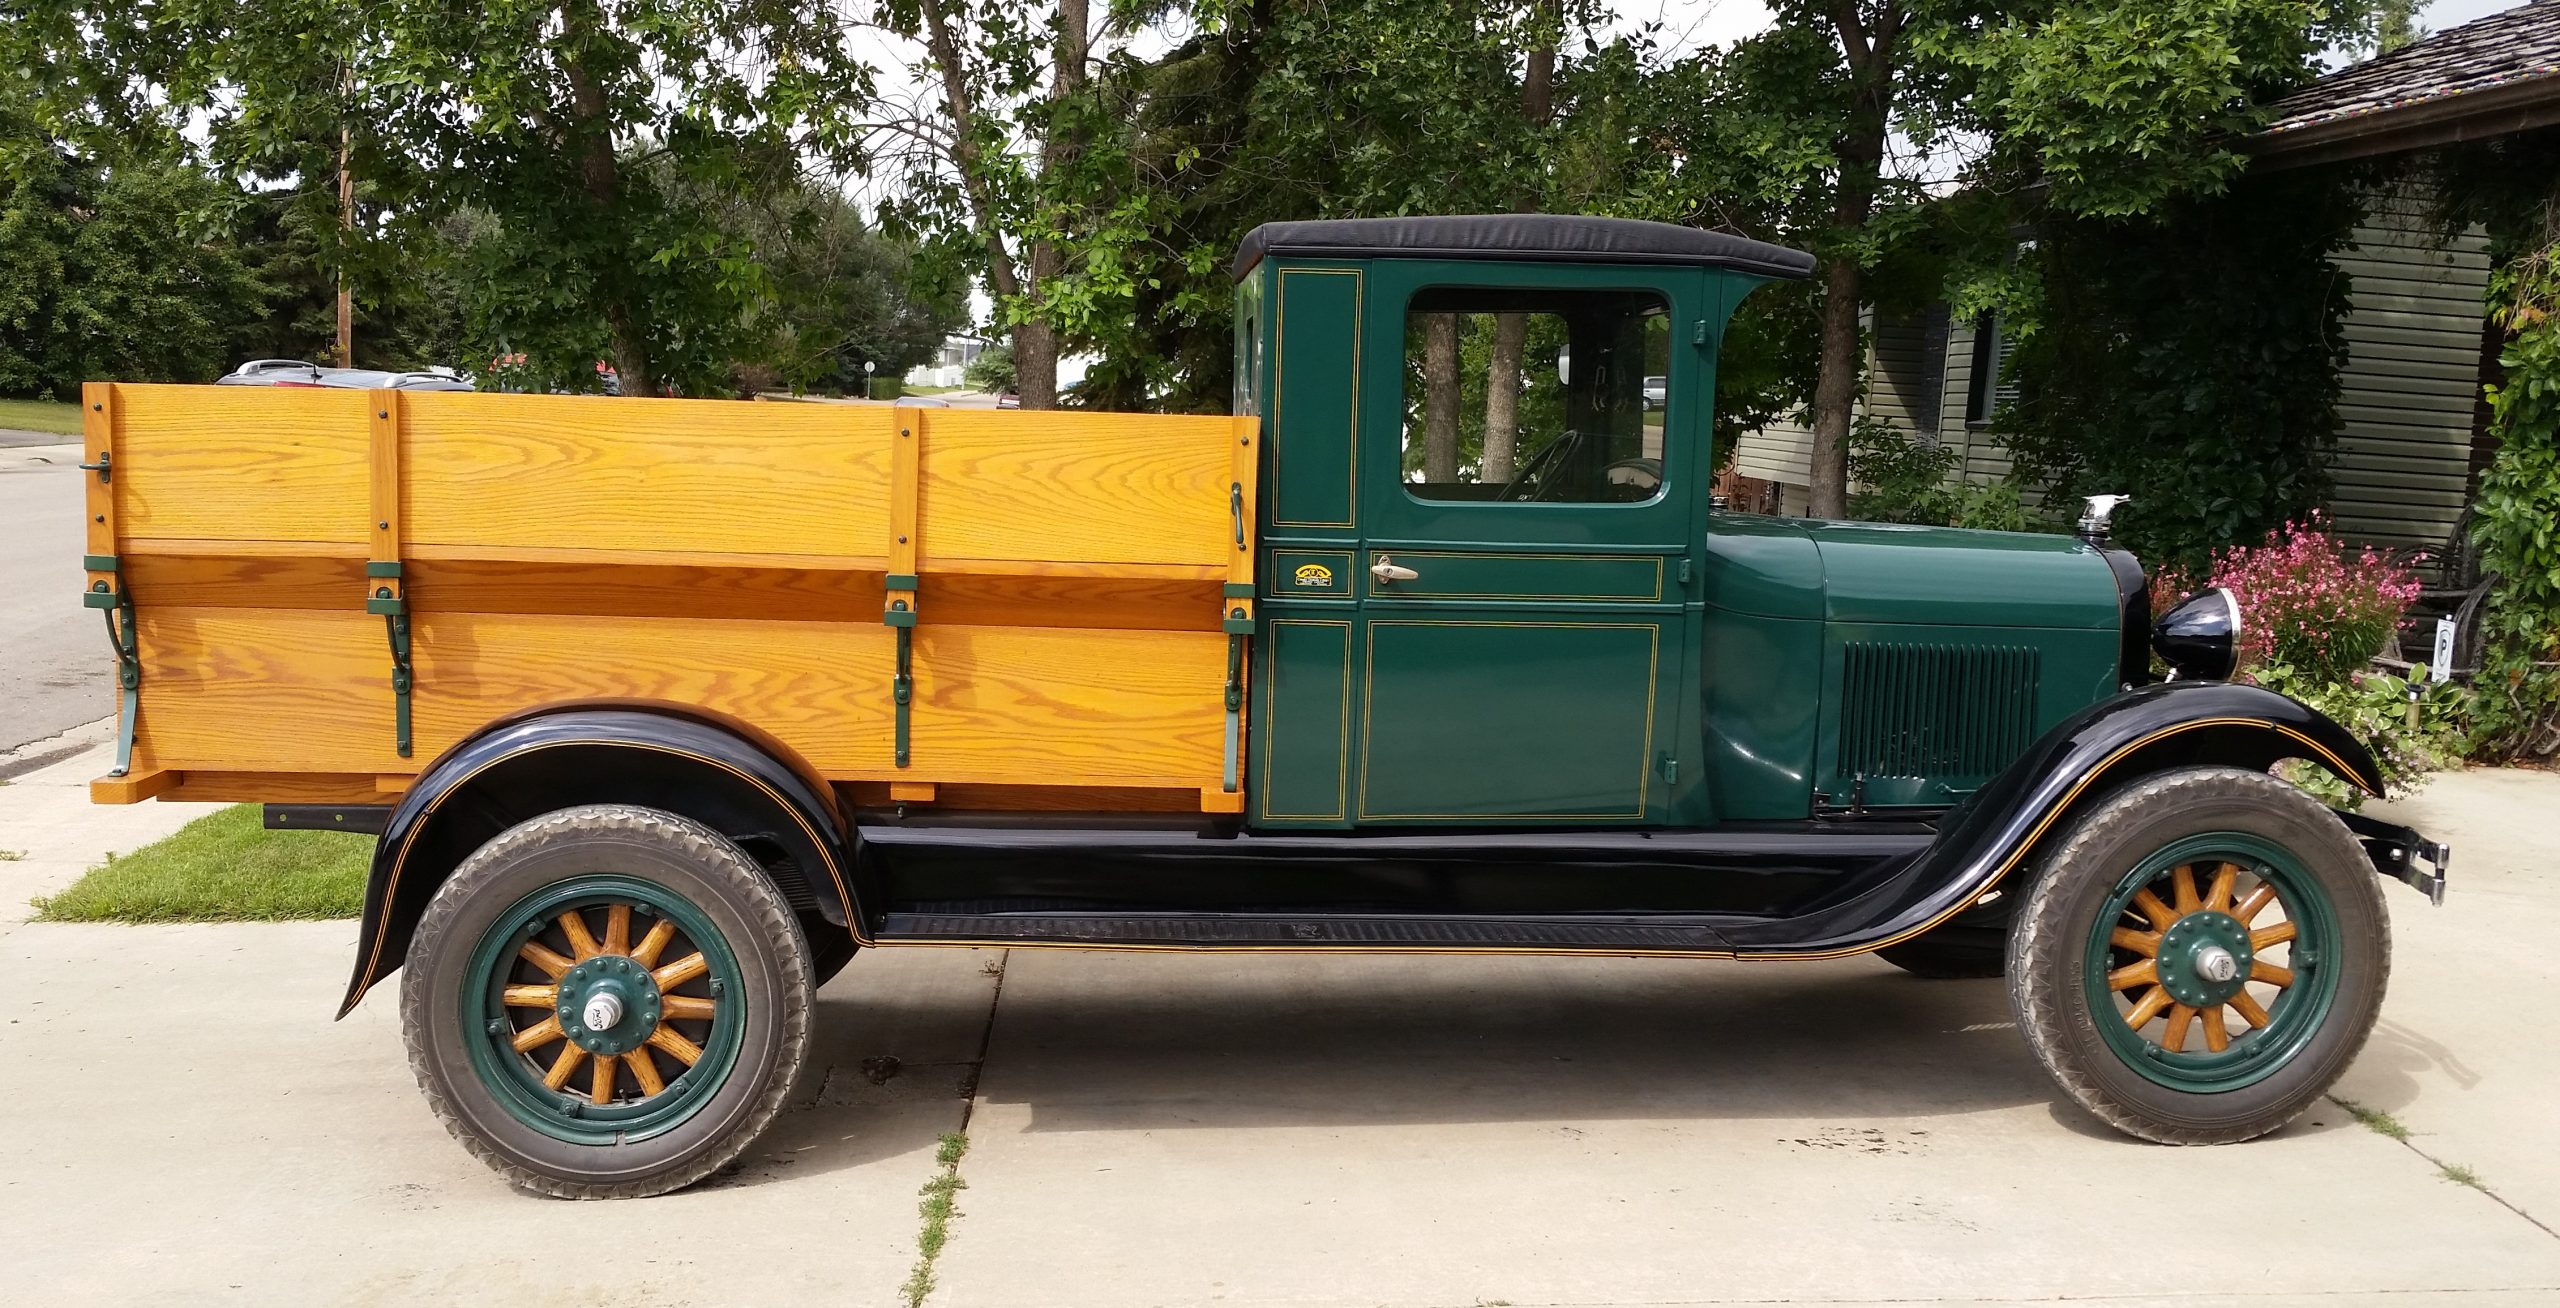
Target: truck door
{"x":1527,"y":488}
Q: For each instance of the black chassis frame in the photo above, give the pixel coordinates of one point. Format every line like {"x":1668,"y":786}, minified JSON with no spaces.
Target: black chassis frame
{"x":1825,"y":887}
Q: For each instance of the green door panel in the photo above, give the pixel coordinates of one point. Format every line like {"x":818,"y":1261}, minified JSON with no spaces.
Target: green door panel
{"x":1478,"y":720}
{"x":1315,"y":399}
{"x":1305,"y":721}
{"x":1487,"y":575}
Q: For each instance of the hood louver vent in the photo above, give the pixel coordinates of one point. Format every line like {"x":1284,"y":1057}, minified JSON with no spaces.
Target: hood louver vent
{"x":1949,"y":713}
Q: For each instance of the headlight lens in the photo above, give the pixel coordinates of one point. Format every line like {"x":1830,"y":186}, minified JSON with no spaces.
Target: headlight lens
{"x":2200,"y":638}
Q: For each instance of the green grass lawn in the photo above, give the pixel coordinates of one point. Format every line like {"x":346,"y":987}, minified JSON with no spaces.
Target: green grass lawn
{"x":222,"y":867}
{"x":40,"y":415}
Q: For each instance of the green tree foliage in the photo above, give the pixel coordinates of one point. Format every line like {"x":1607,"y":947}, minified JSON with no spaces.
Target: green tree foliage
{"x":2517,"y":522}
{"x":2511,"y":186}
{"x":133,"y":272}
{"x":992,"y":370}
{"x":2117,"y":108}
{"x":1904,"y":480}
{"x":529,"y":113}
{"x":2189,"y":358}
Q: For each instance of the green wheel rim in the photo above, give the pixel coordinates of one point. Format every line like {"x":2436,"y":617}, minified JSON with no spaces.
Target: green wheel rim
{"x":547,"y":966}
{"x":2193,"y":982}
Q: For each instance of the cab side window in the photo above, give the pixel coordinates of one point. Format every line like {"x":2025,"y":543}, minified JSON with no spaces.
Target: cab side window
{"x":1535,"y":396}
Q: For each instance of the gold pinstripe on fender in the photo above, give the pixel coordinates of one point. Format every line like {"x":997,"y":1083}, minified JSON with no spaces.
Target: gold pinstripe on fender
{"x":400,"y":860}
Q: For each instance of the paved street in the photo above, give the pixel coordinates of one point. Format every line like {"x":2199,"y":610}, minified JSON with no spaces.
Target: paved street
{"x":54,"y":666}
{"x":186,"y":1125}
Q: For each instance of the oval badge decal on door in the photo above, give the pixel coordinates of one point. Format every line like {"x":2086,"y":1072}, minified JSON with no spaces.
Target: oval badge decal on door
{"x":1315,"y":576}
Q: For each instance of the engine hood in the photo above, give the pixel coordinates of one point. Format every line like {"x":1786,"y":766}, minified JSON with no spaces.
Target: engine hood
{"x":1886,"y":573}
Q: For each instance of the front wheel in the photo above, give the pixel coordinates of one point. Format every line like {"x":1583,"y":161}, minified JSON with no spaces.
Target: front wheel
{"x":607,"y":1002}
{"x":2202,"y":957}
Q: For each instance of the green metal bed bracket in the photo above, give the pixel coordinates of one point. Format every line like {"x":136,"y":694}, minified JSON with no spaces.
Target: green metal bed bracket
{"x":1238,"y":627}
{"x":118,"y":607}
{"x":394,"y":609}
{"x":902,"y":687}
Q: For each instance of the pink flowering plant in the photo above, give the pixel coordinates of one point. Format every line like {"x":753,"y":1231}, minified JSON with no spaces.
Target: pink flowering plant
{"x":2306,"y":600}
{"x":2313,"y":614}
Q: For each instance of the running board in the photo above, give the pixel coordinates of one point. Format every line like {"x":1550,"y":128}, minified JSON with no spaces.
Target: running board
{"x":1388,"y":932}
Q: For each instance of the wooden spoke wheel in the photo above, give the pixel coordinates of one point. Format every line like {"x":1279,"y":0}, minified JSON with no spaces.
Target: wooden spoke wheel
{"x":607,"y":1001}
{"x":2200,"y":956}
{"x":611,"y":1007}
{"x":2212,"y":958}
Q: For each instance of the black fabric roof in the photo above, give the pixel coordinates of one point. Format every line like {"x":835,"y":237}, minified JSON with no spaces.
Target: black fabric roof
{"x":1561,"y":237}
{"x":2513,"y":46}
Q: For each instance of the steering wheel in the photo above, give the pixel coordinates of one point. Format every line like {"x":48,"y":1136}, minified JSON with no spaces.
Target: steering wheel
{"x":1527,"y":485}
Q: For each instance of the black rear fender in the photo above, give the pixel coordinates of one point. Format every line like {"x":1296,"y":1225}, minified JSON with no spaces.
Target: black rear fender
{"x":2119,"y":740}
{"x":749,"y":790}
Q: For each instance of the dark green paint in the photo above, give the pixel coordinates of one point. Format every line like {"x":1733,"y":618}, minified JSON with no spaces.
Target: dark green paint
{"x":1489,"y":575}
{"x":1312,"y":575}
{"x":2073,"y":668}
{"x":2183,"y":947}
{"x":1482,"y":720}
{"x":2299,"y":1009}
{"x":1455,"y":709}
{"x":622,"y":978}
{"x":1302,"y":721}
{"x":515,"y":1080}
{"x":1763,"y":691}
{"x":1315,"y":395}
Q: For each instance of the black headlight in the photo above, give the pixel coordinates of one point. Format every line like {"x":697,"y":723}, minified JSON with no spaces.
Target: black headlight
{"x":2200,"y":638}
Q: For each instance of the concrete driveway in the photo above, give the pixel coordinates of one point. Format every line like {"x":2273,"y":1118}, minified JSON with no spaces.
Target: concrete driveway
{"x":186,"y":1125}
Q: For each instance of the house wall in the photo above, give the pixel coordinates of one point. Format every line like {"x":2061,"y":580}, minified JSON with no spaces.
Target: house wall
{"x":2401,"y":472}
{"x":2412,"y":379}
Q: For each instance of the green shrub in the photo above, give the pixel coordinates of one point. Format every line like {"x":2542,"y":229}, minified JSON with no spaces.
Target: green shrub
{"x":1904,"y":480}
{"x":2414,"y":726}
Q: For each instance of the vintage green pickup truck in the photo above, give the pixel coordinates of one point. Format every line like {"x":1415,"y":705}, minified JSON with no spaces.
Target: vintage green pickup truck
{"x":1437,"y":644}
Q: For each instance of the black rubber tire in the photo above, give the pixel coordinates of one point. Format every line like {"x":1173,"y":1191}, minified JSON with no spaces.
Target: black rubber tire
{"x":687,"y":859}
{"x":2048,"y":948}
{"x":1939,"y":960}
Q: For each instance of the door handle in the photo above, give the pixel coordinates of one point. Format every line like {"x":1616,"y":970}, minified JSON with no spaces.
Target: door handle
{"x":1387,"y":573}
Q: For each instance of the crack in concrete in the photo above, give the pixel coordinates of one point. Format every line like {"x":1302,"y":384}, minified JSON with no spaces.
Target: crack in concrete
{"x":2442,"y":1168}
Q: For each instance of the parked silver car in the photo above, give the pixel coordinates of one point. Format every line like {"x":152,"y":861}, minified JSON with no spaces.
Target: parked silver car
{"x":297,"y":372}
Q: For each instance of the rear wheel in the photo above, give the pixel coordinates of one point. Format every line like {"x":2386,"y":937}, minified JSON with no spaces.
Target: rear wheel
{"x":607,"y":1002}
{"x":2202,"y":957}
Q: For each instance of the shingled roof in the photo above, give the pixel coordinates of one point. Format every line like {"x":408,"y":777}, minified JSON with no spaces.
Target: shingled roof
{"x":2488,"y":77}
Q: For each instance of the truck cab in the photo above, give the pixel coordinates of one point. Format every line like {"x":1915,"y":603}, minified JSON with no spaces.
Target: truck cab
{"x":1493,"y":590}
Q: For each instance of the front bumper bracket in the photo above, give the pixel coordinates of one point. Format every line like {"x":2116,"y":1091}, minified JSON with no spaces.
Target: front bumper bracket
{"x":2399,"y":853}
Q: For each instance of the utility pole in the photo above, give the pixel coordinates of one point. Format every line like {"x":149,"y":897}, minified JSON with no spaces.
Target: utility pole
{"x":346,"y":222}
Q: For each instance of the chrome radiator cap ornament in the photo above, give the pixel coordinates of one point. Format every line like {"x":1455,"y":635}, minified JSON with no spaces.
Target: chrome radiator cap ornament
{"x":2095,"y":510}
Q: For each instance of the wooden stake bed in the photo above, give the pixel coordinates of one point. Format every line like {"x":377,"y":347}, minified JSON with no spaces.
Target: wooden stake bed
{"x":1065,"y":583}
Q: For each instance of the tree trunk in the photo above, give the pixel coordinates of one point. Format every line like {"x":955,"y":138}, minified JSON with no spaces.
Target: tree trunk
{"x":1511,"y":330}
{"x":1502,"y":396}
{"x":1861,"y":150}
{"x":1035,"y":342}
{"x":600,"y":176}
{"x":1035,"y":363}
{"x":1835,"y":390}
{"x":1035,"y":354}
{"x":1440,"y":398}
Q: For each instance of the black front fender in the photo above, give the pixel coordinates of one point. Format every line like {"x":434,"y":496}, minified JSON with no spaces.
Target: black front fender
{"x":661,"y":758}
{"x":2106,"y":745}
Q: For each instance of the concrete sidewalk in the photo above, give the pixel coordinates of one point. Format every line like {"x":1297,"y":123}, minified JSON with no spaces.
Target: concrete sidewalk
{"x":186,"y":1124}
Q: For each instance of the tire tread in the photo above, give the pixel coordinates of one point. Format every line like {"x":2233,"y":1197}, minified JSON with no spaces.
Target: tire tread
{"x":716,"y":856}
